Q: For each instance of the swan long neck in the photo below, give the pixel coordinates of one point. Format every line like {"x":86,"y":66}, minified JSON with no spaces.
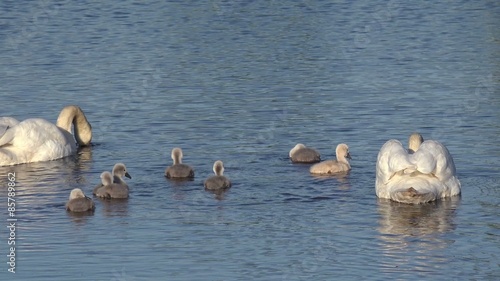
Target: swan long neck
{"x":72,"y":114}
{"x":342,"y":159}
{"x":414,"y":142}
{"x":218,"y":168}
{"x":177,"y":156}
{"x":342,"y":151}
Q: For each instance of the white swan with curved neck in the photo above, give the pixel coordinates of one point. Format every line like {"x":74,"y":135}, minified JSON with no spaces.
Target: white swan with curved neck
{"x":36,"y":139}
{"x":424,"y":173}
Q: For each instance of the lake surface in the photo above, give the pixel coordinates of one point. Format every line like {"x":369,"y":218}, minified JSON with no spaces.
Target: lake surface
{"x":243,"y":82}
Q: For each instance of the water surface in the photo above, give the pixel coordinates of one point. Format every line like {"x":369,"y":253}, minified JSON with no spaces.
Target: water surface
{"x":243,"y":82}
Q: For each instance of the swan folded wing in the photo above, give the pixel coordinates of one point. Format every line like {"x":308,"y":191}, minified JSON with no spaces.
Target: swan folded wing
{"x":44,"y":140}
{"x":34,"y":140}
{"x":393,"y":159}
{"x":433,"y":158}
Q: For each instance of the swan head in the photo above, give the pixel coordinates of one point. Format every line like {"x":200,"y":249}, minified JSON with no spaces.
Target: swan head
{"x":342,"y":151}
{"x":414,"y":142}
{"x":120,"y":170}
{"x":76,"y":193}
{"x":295,"y":148}
{"x":106,"y":178}
{"x":218,"y":168}
{"x":177,"y":155}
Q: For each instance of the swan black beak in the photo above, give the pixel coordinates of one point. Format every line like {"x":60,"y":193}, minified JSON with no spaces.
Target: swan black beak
{"x":348,"y":156}
{"x":128,"y":175}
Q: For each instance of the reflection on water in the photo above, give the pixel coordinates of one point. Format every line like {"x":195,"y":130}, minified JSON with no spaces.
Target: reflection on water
{"x":80,"y":218}
{"x":342,"y":179}
{"x":84,"y":154}
{"x":218,"y":194}
{"x":41,"y":183}
{"x":244,"y":83}
{"x":411,"y":234}
{"x":71,"y":168}
{"x":406,"y":220}
{"x":114,"y":207}
{"x":179,"y":182}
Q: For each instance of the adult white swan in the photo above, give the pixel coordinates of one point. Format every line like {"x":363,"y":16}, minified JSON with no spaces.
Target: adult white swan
{"x":36,"y":139}
{"x":424,"y":173}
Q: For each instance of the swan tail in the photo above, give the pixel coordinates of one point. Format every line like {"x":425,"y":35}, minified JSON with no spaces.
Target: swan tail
{"x":412,"y":196}
{"x":410,"y":169}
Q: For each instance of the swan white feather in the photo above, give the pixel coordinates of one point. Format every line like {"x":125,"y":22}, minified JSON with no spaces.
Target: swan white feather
{"x":426,"y":175}
{"x":36,"y":139}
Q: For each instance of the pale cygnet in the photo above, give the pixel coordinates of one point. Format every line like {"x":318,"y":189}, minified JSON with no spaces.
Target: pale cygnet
{"x":111,"y":189}
{"x":119,"y":171}
{"x":302,"y":154}
{"x":217,"y":182}
{"x":78,"y":202}
{"x":178,"y":170}
{"x":414,"y":142}
{"x":334,"y":166}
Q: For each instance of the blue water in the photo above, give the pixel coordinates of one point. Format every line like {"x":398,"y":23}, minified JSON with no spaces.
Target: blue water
{"x":243,"y":82}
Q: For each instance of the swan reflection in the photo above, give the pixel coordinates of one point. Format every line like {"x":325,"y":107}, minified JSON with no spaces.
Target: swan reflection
{"x":411,"y":234}
{"x":47,"y":183}
{"x":80,"y":218}
{"x":406,"y":220}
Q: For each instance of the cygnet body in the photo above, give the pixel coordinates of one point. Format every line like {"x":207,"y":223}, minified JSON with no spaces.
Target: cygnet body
{"x":119,"y":171}
{"x":178,"y":169}
{"x":78,"y":202}
{"x":219,"y":181}
{"x":340,"y":165}
{"x":302,"y":154}
{"x":111,"y":189}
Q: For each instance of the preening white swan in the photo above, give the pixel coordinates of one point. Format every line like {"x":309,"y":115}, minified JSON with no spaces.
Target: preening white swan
{"x":341,"y":165}
{"x":78,"y":202}
{"x":178,"y":170}
{"x":302,"y":154}
{"x":36,"y":139}
{"x":219,"y":181}
{"x":424,"y":173}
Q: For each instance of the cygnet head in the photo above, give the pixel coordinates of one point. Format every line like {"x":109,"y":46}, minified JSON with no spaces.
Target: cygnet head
{"x":106,"y":178}
{"x":342,"y":151}
{"x":414,"y":142}
{"x":295,"y":148}
{"x":219,"y":168}
{"x":120,"y":170}
{"x":76,"y":193}
{"x":177,"y":155}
